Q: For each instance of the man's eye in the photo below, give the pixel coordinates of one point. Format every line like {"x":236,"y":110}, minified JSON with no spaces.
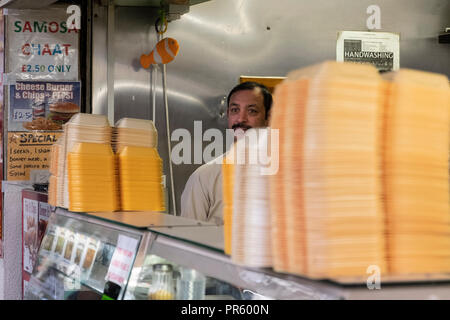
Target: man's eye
{"x":234,"y":110}
{"x":253,"y":111}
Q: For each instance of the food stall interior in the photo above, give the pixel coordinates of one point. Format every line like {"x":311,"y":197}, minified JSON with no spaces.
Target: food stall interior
{"x":221,"y":41}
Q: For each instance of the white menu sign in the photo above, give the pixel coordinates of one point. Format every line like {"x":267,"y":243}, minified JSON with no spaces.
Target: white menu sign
{"x":122,"y":260}
{"x":40,"y":45}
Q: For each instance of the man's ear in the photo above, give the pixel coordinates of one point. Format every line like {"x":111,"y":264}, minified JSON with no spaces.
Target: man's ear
{"x":268,"y":118}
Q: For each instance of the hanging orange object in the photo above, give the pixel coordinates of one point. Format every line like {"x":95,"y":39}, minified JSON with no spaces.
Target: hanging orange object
{"x":164,"y":52}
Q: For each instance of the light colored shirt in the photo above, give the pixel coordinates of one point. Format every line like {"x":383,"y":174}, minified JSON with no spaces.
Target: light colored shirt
{"x":202,"y":195}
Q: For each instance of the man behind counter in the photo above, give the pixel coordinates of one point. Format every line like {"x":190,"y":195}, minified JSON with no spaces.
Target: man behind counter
{"x":249,"y":106}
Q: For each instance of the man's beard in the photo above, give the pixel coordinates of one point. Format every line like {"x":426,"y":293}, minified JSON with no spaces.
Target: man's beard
{"x":241,"y":126}
{"x":239,"y":130}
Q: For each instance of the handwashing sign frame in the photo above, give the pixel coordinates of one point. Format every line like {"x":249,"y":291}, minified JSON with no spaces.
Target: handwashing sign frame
{"x":382,"y":49}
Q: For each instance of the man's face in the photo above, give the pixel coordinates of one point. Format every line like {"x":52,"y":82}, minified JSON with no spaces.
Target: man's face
{"x":246,"y":110}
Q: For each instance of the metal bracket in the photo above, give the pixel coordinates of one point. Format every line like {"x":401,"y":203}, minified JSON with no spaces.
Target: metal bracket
{"x":445,"y":37}
{"x":176,"y":11}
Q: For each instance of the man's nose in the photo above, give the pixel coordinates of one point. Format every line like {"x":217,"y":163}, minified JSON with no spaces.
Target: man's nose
{"x":243,"y":116}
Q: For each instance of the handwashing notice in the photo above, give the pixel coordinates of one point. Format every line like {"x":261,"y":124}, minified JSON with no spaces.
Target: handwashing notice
{"x":40,"y":45}
{"x":382,"y":49}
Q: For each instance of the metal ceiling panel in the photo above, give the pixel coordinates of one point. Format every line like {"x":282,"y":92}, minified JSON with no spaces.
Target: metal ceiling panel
{"x":25,"y":4}
{"x":153,"y":3}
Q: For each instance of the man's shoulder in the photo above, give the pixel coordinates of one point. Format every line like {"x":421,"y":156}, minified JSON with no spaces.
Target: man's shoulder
{"x":213,"y":167}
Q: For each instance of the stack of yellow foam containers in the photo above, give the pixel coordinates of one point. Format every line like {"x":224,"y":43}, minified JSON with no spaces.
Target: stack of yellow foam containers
{"x":139,"y":166}
{"x":228,"y":187}
{"x":251,"y":245}
{"x":88,"y":176}
{"x":277,"y":187}
{"x":140,"y":173}
{"x":416,"y":172}
{"x":364,"y":172}
{"x":332,"y":223}
{"x":56,"y":171}
{"x":92,"y":178}
{"x":82,"y":127}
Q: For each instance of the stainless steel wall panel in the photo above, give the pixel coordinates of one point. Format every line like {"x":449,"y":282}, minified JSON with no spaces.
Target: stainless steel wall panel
{"x":223,"y":39}
{"x":132,"y":83}
{"x":99,"y":59}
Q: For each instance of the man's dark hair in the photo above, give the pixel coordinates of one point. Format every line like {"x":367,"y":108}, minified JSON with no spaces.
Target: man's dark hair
{"x":250,"y":85}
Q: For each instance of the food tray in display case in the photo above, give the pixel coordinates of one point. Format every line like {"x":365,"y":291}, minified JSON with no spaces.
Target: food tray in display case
{"x":78,"y":256}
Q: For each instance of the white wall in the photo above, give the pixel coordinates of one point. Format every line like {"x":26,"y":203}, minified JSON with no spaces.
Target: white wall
{"x":11,"y":264}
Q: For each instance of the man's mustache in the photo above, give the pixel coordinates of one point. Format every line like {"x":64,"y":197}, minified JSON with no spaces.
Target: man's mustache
{"x":240,"y":125}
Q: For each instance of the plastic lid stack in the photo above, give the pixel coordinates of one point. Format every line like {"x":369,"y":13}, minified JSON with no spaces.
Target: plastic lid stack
{"x":251,"y":240}
{"x":134,"y":132}
{"x":140,"y":172}
{"x":92,"y":178}
{"x":416,"y":172}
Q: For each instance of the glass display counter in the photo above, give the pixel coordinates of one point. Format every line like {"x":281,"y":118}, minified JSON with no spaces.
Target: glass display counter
{"x":158,"y":257}
{"x":75,"y":256}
